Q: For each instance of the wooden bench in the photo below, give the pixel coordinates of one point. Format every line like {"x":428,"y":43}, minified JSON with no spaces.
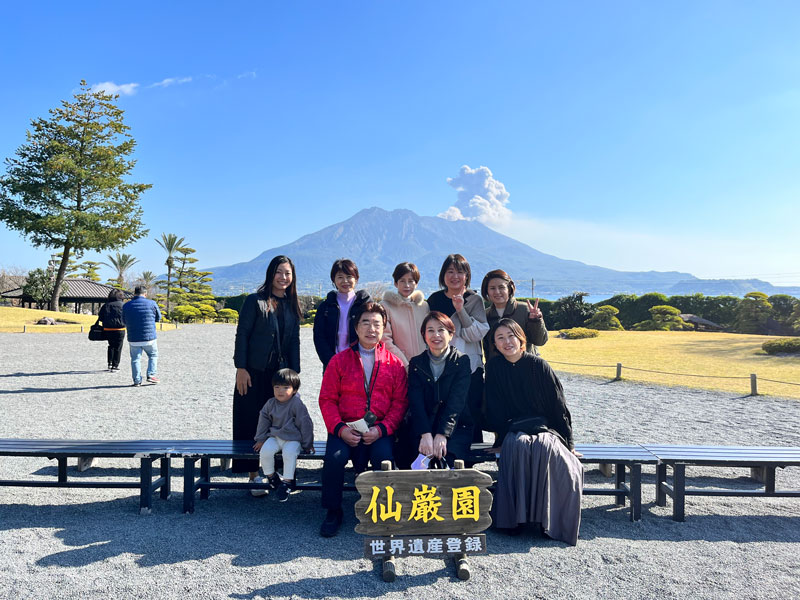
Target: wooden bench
{"x":763,"y":459}
{"x":147,"y":451}
{"x":628,"y":458}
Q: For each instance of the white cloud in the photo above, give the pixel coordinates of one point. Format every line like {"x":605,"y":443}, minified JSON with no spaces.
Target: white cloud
{"x":109,"y":87}
{"x":481,"y":197}
{"x":246,"y":75}
{"x":171,"y":81}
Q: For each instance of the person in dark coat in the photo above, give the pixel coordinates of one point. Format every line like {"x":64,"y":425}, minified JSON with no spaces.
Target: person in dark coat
{"x":110,"y":316}
{"x":267,"y":339}
{"x":335,"y":321}
{"x":540,"y":479}
{"x":438,"y":422}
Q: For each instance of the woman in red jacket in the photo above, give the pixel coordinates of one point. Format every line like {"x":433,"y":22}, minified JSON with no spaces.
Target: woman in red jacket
{"x":362,"y":400}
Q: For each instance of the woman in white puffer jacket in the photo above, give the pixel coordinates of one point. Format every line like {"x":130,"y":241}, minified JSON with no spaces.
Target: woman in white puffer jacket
{"x":405,"y":310}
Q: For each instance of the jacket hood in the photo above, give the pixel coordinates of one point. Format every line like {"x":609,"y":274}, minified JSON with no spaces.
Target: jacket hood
{"x":395,"y":299}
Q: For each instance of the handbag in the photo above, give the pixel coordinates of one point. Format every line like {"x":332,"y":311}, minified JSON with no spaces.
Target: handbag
{"x":96,"y":332}
{"x":528,"y":425}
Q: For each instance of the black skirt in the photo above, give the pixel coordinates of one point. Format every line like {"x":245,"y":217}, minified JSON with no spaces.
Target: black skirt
{"x":245,"y":414}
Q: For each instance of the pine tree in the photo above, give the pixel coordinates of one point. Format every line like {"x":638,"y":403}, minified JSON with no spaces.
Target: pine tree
{"x":65,"y":187}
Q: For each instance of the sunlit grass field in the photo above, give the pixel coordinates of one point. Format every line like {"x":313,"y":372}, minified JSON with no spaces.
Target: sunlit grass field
{"x":14,"y":320}
{"x":683,"y":352}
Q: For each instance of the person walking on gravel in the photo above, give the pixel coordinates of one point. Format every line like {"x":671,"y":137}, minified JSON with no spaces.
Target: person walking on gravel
{"x":140,"y":316}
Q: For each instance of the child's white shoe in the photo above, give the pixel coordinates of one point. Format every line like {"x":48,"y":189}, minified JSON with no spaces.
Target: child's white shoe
{"x":257,"y":491}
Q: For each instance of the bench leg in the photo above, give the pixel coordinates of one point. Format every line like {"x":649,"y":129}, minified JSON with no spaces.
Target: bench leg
{"x":661,"y":478}
{"x":619,"y":483}
{"x":188,"y":485}
{"x":679,"y":492}
{"x":636,"y":492}
{"x":62,"y":469}
{"x":146,"y":485}
{"x":166,"y":473}
{"x":769,"y":480}
{"x":205,"y":476}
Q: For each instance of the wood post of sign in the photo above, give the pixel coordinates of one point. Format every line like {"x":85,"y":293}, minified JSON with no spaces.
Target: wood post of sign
{"x":389,"y":566}
{"x":462,"y":566}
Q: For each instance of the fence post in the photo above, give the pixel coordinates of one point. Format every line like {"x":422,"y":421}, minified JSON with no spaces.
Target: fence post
{"x":619,"y":372}
{"x":81,"y":328}
{"x":753,"y":384}
{"x":24,"y":329}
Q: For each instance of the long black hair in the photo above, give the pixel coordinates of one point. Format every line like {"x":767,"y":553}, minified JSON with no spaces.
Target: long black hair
{"x":265,"y":290}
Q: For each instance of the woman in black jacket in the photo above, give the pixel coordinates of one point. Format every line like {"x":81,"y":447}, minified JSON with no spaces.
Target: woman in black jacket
{"x":267,"y":339}
{"x":438,"y":420}
{"x":334,"y":323}
{"x":110,"y":316}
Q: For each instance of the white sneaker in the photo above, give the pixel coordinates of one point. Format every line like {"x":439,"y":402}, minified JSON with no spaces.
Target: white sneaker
{"x":257,"y":492}
{"x":85,"y":462}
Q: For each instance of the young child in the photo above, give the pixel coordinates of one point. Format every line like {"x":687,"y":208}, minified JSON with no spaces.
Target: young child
{"x":283,"y":424}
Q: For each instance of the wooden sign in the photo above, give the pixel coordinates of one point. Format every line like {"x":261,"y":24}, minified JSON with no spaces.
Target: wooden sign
{"x":419,"y":503}
{"x":425,"y":545}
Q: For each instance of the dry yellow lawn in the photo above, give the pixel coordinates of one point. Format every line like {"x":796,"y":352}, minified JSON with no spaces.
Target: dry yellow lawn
{"x":12,"y":320}
{"x":679,"y":352}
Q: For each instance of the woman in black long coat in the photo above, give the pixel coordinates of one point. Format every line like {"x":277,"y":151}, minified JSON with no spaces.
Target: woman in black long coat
{"x":541,"y":478}
{"x":267,"y":339}
{"x":438,"y":422}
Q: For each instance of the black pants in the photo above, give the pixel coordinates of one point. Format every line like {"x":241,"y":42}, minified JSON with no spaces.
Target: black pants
{"x":476,"y":403}
{"x":245,"y":414}
{"x":115,"y":341}
{"x":337,"y":453}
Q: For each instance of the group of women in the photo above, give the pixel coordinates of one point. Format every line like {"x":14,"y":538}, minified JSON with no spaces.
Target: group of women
{"x":413,"y":370}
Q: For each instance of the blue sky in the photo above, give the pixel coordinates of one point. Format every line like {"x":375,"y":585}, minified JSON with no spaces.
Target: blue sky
{"x":630,"y":135}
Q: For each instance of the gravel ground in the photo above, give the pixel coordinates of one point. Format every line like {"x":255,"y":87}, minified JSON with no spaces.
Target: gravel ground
{"x":73,"y":543}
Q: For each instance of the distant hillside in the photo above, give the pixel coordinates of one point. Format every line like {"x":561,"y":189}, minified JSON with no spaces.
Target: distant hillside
{"x":377,"y":240}
{"x":729,"y":287}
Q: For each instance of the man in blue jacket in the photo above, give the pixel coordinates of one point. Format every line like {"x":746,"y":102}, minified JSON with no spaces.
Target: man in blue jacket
{"x":140,"y":316}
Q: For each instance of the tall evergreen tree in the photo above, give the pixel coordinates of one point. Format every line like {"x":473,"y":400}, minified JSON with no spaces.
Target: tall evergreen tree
{"x":65,"y":187}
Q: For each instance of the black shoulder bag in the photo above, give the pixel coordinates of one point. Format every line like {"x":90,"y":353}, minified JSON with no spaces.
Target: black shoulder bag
{"x":96,"y":332}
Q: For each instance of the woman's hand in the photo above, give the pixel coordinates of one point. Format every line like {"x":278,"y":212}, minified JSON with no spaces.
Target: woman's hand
{"x":350,"y":436}
{"x":439,"y":446}
{"x":243,"y":381}
{"x":534,"y":312}
{"x":257,"y":446}
{"x":458,"y":302}
{"x":426,"y":444}
{"x":576,"y":453}
{"x":372,"y":434}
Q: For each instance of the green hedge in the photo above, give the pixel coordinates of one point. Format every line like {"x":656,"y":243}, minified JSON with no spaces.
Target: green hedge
{"x":579,"y":333}
{"x":782,"y":346}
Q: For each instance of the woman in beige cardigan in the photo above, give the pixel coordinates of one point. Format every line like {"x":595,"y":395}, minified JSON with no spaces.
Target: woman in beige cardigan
{"x":405,"y":310}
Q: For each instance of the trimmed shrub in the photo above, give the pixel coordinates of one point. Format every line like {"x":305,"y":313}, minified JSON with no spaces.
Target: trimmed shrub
{"x":782,"y":346}
{"x":605,"y":319}
{"x":228,"y":314}
{"x":185,"y":313}
{"x":752,"y":313}
{"x":579,"y":333}
{"x":663,"y":318}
